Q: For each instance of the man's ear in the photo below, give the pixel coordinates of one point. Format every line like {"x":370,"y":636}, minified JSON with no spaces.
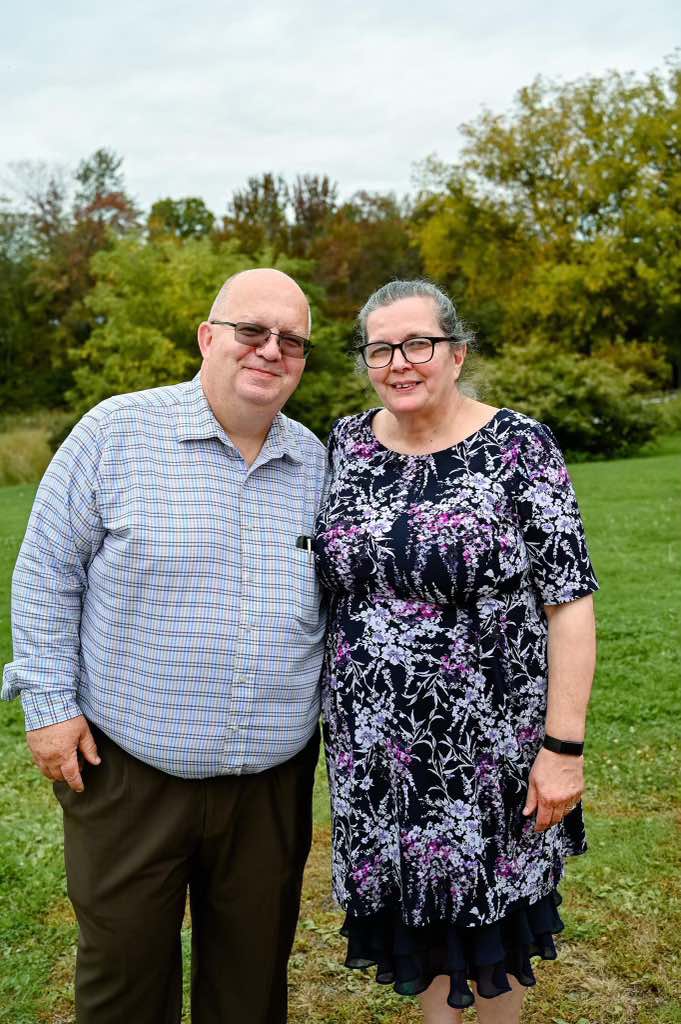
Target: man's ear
{"x":205,"y":336}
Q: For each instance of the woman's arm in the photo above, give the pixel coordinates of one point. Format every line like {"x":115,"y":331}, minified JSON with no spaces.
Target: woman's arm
{"x":557,"y":780}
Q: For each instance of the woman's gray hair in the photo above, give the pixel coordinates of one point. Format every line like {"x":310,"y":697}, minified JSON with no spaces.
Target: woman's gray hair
{"x":450,"y":323}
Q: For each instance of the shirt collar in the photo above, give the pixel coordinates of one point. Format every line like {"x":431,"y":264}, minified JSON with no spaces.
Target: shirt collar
{"x":281,"y":441}
{"x":196,"y":421}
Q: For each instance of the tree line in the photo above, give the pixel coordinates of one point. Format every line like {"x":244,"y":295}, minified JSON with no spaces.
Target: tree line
{"x":557,"y":232}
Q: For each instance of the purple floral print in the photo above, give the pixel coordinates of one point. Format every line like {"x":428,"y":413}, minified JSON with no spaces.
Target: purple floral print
{"x":437,"y":568}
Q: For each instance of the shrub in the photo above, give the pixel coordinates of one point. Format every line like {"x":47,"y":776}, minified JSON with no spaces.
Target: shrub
{"x":667,"y":408}
{"x":24,"y":455}
{"x":594,"y":408}
{"x":653,"y":370}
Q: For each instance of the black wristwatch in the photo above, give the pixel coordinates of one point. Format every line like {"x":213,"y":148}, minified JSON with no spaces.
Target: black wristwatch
{"x":563,"y":746}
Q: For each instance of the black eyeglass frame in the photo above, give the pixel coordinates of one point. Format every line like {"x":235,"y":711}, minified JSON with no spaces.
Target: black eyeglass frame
{"x":400,"y":345}
{"x":306,"y":343}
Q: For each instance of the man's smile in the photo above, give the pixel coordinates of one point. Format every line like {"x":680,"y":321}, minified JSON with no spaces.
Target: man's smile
{"x":261,"y":370}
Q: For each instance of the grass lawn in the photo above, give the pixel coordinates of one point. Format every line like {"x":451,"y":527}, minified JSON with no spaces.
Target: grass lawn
{"x":620,"y":955}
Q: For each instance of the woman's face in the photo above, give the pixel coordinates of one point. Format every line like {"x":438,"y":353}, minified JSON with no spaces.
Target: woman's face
{"x":413,"y":388}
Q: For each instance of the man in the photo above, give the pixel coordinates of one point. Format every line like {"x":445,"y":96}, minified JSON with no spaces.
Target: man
{"x":167,"y":647}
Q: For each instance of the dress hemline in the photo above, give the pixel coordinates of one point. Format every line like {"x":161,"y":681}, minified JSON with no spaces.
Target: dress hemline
{"x":409,"y":958}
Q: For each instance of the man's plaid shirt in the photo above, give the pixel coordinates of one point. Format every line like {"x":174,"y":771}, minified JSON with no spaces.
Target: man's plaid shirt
{"x":160,"y":592}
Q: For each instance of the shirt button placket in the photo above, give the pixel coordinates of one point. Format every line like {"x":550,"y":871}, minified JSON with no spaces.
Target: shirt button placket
{"x":247,"y":536}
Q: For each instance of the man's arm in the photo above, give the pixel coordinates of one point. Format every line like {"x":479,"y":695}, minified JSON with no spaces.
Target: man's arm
{"x":557,"y":780}
{"x":50,"y":578}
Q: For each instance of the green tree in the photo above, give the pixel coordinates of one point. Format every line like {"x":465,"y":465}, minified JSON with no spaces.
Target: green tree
{"x":147,"y":302}
{"x":62,"y":221}
{"x":271,"y":214}
{"x":33,"y":355}
{"x":478,"y":249}
{"x":330,"y":387}
{"x":257,"y":215}
{"x":180,"y":218}
{"x":570,"y":206}
{"x":100,"y":212}
{"x":24,"y":351}
{"x":366,"y":242}
{"x":100,"y":197}
{"x":313,"y":200}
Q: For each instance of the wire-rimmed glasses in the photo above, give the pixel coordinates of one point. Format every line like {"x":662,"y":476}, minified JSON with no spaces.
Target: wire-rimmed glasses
{"x":255,"y":335}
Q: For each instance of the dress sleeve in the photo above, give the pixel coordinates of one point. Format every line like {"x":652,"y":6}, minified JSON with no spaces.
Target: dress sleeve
{"x":337,"y":443}
{"x":550,"y":521}
{"x":331,"y":456}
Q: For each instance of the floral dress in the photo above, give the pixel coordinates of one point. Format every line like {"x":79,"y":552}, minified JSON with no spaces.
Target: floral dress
{"x":434,"y":688}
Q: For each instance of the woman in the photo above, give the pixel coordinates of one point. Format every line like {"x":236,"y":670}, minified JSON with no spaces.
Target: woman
{"x":458,"y":669}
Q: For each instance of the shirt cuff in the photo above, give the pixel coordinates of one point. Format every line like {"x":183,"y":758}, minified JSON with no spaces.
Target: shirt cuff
{"x":42,"y":709}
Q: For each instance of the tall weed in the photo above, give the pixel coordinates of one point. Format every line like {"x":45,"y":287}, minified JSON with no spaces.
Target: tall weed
{"x":24,"y":455}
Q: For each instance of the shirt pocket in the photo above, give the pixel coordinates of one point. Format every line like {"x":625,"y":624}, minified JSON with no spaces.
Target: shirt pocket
{"x":305,"y":594}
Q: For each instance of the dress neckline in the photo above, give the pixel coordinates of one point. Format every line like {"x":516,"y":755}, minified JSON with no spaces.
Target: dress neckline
{"x":371,"y":413}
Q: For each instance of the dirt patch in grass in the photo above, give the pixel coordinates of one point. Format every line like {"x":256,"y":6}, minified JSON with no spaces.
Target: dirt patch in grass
{"x":60,"y":914}
{"x":57,"y":1004}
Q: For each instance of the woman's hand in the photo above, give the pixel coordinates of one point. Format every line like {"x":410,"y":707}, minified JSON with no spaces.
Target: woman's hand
{"x":555,"y":787}
{"x":557,"y":780}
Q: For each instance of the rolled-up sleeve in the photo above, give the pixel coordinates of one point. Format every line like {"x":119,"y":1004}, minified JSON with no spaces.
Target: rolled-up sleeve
{"x":50,"y":578}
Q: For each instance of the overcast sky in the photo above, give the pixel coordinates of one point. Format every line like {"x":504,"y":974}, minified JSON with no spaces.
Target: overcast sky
{"x":197,"y":97}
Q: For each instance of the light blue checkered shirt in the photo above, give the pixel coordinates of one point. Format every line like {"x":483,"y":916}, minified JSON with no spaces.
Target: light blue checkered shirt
{"x":159,"y":590}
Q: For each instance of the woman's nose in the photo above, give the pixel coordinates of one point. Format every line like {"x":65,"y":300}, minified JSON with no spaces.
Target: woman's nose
{"x":398,"y":361}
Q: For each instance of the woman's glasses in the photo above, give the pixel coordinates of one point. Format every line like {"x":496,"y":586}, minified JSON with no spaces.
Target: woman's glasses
{"x":415,"y":350}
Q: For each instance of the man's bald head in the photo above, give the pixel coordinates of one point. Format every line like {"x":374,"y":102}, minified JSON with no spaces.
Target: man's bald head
{"x":242,"y":380}
{"x":261,"y":281}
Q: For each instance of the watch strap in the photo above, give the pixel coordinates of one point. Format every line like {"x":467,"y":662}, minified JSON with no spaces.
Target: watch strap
{"x":563,"y":746}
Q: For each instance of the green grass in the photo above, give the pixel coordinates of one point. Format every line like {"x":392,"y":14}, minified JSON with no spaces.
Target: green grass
{"x":620,"y":956}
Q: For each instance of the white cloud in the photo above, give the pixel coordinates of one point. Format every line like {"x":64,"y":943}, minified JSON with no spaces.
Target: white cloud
{"x":196,"y":100}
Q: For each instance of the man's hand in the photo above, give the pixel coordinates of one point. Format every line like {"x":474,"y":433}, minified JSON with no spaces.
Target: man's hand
{"x":555,"y":787}
{"x":58,"y":750}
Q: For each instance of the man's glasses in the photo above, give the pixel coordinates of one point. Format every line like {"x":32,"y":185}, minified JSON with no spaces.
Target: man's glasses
{"x":255,"y":335}
{"x":378,"y":354}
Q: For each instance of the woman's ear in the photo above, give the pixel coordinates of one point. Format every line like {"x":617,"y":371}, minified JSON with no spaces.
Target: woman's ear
{"x":458,"y":355}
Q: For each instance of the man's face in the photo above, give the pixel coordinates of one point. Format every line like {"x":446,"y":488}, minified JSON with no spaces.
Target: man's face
{"x":258,"y":376}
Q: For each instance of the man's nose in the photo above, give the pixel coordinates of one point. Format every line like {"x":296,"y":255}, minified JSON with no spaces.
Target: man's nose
{"x":270,"y":350}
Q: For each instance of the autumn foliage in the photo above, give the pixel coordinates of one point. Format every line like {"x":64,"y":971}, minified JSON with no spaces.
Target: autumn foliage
{"x":558,"y":234}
